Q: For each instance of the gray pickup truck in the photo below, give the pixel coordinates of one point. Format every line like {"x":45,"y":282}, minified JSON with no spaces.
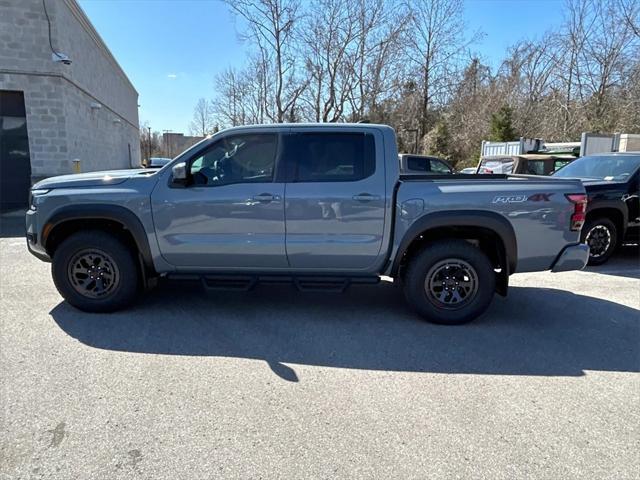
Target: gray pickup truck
{"x":321,"y":206}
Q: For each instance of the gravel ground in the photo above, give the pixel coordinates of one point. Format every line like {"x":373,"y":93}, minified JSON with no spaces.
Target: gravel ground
{"x":278,"y":384}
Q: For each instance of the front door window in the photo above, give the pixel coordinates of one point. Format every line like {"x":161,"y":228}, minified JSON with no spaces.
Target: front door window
{"x":237,"y":159}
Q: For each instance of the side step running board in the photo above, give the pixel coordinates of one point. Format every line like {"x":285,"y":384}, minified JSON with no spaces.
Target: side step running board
{"x":304,"y":283}
{"x":225,"y":282}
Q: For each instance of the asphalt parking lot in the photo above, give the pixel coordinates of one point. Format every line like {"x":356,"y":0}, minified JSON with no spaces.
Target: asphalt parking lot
{"x":278,"y":384}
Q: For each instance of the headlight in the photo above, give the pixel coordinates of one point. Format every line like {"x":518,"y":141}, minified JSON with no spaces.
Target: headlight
{"x":33,"y":197}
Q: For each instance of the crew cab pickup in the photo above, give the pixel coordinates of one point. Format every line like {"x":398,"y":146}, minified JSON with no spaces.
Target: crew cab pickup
{"x":612,"y":183}
{"x":320,"y":205}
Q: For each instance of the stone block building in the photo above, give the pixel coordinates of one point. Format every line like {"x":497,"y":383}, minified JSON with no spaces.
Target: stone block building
{"x":65,"y":103}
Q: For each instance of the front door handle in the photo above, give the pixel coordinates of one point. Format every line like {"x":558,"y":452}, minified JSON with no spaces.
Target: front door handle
{"x":365,"y":197}
{"x":265,"y":198}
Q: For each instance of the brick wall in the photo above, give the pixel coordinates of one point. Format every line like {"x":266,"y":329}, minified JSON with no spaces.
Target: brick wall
{"x":46,"y":122}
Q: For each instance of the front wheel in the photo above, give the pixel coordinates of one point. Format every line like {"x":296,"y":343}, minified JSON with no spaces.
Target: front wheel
{"x":601,"y":235}
{"x":95,"y":272}
{"x":450,"y":282}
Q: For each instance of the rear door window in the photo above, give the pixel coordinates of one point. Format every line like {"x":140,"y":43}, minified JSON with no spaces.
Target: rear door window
{"x":332,"y":157}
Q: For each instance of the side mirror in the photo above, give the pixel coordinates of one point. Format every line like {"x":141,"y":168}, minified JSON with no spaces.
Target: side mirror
{"x":179,"y":174}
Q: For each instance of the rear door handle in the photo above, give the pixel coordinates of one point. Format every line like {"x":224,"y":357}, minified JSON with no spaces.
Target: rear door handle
{"x":366,"y":197}
{"x":265,"y":198}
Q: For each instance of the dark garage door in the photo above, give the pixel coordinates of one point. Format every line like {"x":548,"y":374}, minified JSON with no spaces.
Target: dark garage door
{"x":15,"y":166}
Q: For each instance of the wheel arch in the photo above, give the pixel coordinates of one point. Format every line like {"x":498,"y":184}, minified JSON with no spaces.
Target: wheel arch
{"x":494,"y":234}
{"x":614,"y":211}
{"x":111,"y":218}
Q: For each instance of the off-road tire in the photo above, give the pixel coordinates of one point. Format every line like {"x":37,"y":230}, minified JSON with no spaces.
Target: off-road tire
{"x":596,"y":256}
{"x":115,"y":256}
{"x":440,"y":255}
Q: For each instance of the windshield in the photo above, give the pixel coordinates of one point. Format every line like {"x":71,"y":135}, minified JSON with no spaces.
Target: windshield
{"x":610,"y":167}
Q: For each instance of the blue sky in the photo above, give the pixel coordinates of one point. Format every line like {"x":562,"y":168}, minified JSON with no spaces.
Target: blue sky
{"x":172,"y":49}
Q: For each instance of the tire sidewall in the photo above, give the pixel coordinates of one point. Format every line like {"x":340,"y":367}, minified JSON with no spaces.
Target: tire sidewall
{"x":614,"y":239}
{"x":127,"y":287}
{"x":422,"y":263}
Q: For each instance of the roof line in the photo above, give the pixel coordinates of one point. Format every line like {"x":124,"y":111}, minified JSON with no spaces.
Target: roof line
{"x":78,"y":12}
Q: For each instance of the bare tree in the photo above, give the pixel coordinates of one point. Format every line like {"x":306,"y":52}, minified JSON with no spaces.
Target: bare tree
{"x":272,"y":28}
{"x":202,"y":123}
{"x":351,"y":51}
{"x":603,"y":60}
{"x":150,"y":142}
{"x":230,"y":103}
{"x":477,"y":96}
{"x":528,"y":83}
{"x":630,"y":10}
{"x":408,"y":63}
{"x":572,"y":40}
{"x":435,"y":43}
{"x":379,"y":57}
{"x":328,"y":42}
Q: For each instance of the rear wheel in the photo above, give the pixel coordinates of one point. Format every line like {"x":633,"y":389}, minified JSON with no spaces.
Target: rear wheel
{"x":450,"y":282}
{"x":601,"y":235}
{"x":95,"y":272}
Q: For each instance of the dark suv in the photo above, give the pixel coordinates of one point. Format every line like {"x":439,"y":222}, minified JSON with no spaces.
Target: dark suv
{"x":613,"y":209}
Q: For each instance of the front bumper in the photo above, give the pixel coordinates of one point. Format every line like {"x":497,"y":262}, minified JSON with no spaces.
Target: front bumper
{"x":33,"y":239}
{"x":572,"y":257}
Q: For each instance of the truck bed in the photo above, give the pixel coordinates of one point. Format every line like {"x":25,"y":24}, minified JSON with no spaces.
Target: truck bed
{"x":536,"y":208}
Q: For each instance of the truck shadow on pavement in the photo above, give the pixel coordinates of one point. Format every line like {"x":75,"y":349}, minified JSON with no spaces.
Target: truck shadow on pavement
{"x":536,"y":331}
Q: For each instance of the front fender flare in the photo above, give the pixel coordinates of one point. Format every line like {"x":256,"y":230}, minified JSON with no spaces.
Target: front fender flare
{"x":115,"y":213}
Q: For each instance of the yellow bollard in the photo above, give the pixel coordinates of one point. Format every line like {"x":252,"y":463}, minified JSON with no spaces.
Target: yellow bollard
{"x":76,"y":165}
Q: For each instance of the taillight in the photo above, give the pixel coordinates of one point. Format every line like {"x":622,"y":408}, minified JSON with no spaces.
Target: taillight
{"x":579,"y":201}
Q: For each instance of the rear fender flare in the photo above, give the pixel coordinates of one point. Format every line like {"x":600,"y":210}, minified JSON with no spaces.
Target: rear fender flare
{"x":462,"y":218}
